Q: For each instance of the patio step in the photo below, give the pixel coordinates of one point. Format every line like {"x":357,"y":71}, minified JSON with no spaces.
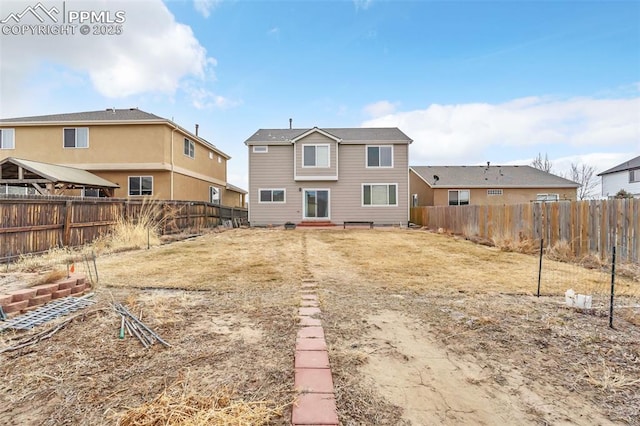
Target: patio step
{"x":316,"y":223}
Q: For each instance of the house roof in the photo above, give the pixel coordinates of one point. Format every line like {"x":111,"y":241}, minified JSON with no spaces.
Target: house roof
{"x":345,"y":135}
{"x":236,"y":189}
{"x":634,"y":163}
{"x":490,"y":177}
{"x":110,"y":114}
{"x":107,"y":116}
{"x":59,"y":174}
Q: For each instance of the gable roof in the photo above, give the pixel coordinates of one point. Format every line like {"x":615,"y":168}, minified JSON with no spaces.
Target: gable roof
{"x":345,"y":135}
{"x":490,"y":177}
{"x":634,"y":163}
{"x":59,"y":174}
{"x":107,"y":116}
{"x":110,"y":114}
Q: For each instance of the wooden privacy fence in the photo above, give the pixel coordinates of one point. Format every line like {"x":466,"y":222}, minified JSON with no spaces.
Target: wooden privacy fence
{"x":34,"y":225}
{"x":587,"y":226}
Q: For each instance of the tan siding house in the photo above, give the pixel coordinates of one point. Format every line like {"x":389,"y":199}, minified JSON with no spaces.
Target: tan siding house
{"x":328,"y":175}
{"x":144,"y":154}
{"x":467,"y":185}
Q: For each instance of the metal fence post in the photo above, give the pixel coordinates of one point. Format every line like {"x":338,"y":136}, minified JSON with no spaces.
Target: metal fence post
{"x":540,"y":265}
{"x":613,"y":280}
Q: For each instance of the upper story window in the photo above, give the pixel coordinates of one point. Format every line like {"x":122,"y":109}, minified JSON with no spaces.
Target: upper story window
{"x":7,"y":139}
{"x":315,"y":155}
{"x":459,"y":197}
{"x":260,"y":149}
{"x":140,"y":185}
{"x":76,"y":137}
{"x":634,"y":175}
{"x":380,"y":156}
{"x":494,"y":191}
{"x":189,"y":148}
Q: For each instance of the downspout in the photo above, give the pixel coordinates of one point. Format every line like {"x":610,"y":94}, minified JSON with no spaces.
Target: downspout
{"x":175,"y":127}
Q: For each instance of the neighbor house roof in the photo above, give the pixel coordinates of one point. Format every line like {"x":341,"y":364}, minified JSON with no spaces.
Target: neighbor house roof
{"x":236,"y":189}
{"x":110,"y":114}
{"x":58,"y":174}
{"x":345,"y":135}
{"x":107,"y":116}
{"x":634,"y":163}
{"x":490,"y":177}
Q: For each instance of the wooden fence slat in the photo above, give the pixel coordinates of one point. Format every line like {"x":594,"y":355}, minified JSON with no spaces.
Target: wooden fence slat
{"x":587,"y":226}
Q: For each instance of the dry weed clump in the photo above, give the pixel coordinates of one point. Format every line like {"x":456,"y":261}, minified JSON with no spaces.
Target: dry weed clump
{"x":134,"y":232}
{"x":179,"y":405}
{"x":521,"y":244}
{"x":561,"y":252}
{"x":50,"y":277}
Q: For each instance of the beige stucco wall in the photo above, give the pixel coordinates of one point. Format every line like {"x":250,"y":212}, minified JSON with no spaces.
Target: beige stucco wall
{"x":418,"y":186}
{"x":117,"y":151}
{"x":510,"y":195}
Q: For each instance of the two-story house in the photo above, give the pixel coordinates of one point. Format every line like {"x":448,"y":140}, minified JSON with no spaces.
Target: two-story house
{"x":331,"y":175}
{"x":145,"y":155}
{"x":624,"y":176}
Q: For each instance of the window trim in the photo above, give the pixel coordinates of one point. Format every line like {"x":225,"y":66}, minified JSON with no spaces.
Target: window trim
{"x":139,"y":177}
{"x":546,"y":195}
{"x":284,"y":195}
{"x":257,"y":151}
{"x":366,"y":156}
{"x":211,"y":201}
{"x":192,"y":148}
{"x":387,"y":184}
{"x":634,"y":175}
{"x":304,"y":204}
{"x":11,"y":131}
{"x":495,"y":192}
{"x":76,"y":138}
{"x":458,"y":191}
{"x":315,"y":166}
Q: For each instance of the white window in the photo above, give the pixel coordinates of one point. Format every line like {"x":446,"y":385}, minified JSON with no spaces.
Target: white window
{"x":634,"y":175}
{"x":189,"y":148}
{"x":548,"y":197}
{"x":210,"y":155}
{"x":214,"y":195}
{"x":494,"y":192}
{"x":17,"y":190}
{"x":379,"y":194}
{"x":260,"y":149}
{"x":90,"y":192}
{"x":459,"y":197}
{"x":219,"y":159}
{"x":414,"y":200}
{"x":315,"y":155}
{"x":77,"y":137}
{"x":380,"y":156}
{"x":7,"y":139}
{"x":272,"y":196}
{"x":140,"y":185}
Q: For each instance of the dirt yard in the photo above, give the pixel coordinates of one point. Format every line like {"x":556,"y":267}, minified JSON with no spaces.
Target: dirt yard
{"x":422,"y":329}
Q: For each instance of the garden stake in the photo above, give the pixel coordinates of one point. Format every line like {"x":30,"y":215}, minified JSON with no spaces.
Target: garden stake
{"x":613,"y":279}
{"x":540,"y":265}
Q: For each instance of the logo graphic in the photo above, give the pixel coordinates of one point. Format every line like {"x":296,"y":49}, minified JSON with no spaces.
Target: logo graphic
{"x":34,"y":11}
{"x":42,"y":21}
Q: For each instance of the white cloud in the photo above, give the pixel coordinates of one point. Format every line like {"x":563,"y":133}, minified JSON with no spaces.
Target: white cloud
{"x":362,"y":4}
{"x":380,"y":108}
{"x":204,"y":7}
{"x":202,"y":98}
{"x":154,"y":54}
{"x":461,"y":134}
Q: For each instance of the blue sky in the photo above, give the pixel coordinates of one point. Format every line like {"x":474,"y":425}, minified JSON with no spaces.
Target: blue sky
{"x":469,"y":81}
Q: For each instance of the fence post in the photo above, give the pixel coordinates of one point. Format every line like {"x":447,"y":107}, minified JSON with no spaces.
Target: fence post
{"x":540,"y":265}
{"x":66,"y":229}
{"x":613,"y":279}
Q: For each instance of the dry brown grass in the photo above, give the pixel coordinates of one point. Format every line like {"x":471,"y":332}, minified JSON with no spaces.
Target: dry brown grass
{"x":178,"y":405}
{"x":49,"y":277}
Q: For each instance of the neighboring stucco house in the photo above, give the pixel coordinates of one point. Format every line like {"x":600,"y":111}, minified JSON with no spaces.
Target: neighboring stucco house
{"x":623,"y":176}
{"x":328,"y":175}
{"x":145,"y":155}
{"x":462,"y":185}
